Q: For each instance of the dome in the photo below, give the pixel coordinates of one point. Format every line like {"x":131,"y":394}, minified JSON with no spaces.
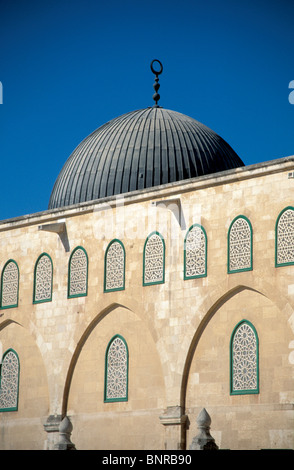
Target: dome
{"x":138,"y":150}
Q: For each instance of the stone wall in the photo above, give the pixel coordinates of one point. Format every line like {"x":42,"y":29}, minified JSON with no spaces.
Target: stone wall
{"x":178,"y":332}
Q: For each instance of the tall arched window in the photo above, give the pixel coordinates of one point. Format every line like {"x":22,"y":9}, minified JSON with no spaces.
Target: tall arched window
{"x":114,"y":266}
{"x":195,"y":253}
{"x":240,"y":245}
{"x":9,"y":285}
{"x":9,"y":381}
{"x":285,"y":237}
{"x":78,"y":273}
{"x":244,"y":360}
{"x":43,"y":274}
{"x":116,"y":370}
{"x":154,"y":260}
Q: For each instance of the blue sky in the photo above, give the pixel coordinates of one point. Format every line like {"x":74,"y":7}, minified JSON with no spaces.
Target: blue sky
{"x":67,"y":67}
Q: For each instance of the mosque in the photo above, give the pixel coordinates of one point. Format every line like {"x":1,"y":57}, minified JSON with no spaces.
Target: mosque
{"x":159,"y":281}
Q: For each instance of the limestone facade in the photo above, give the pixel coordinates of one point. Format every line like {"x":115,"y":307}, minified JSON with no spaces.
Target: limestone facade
{"x":178,"y":331}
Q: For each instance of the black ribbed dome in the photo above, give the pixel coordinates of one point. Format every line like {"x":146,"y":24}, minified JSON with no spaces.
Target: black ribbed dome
{"x":139,"y":150}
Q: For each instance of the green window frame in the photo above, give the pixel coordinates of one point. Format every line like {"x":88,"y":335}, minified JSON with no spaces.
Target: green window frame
{"x":9,"y":385}
{"x":4,"y":303}
{"x":114,"y":266}
{"x":74,"y":284}
{"x":116,"y":380}
{"x":46,"y":298}
{"x":200,"y":267}
{"x":285,"y":260}
{"x":158,"y":275}
{"x":244,"y":359}
{"x":249,"y":265}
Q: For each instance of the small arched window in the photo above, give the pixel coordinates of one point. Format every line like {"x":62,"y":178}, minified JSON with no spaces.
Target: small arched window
{"x":154,"y":260}
{"x":43,"y":275}
{"x":244,"y":359}
{"x":195,"y":253}
{"x":9,"y":285}
{"x":9,"y":381}
{"x":114,"y":266}
{"x":116,"y":370}
{"x":240,"y":245}
{"x":78,"y":273}
{"x":285,"y":237}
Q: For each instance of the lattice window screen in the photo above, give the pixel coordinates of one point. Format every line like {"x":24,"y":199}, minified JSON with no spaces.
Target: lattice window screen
{"x":78,"y":273}
{"x":244,"y":360}
{"x":195,"y":253}
{"x":43,"y":279}
{"x":115,"y":267}
{"x":154,"y":260}
{"x":117,"y":371}
{"x":240,"y":245}
{"x":285,"y":238}
{"x":9,"y":382}
{"x":9,"y":293}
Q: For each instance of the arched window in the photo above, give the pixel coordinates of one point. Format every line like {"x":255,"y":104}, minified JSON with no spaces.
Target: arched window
{"x":154,"y":260}
{"x":114,"y":266}
{"x":9,"y":381}
{"x":244,"y":359}
{"x":9,"y":285}
{"x":195,"y":253}
{"x":116,"y":370}
{"x":78,"y":273}
{"x":43,"y":274}
{"x":285,"y":237}
{"x":240,"y":245}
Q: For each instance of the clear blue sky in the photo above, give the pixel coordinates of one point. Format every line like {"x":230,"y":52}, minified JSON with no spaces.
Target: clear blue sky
{"x":68,"y":66}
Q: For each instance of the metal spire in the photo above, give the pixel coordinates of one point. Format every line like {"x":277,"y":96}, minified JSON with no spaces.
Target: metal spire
{"x":156,"y":85}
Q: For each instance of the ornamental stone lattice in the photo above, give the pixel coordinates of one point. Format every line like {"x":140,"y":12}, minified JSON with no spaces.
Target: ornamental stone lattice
{"x":154,"y":260}
{"x":285,"y":237}
{"x":9,"y":294}
{"x":244,"y":364}
{"x":195,"y":253}
{"x":9,"y":381}
{"x":43,"y":279}
{"x":114,"y":268}
{"x":78,"y":273}
{"x":240,"y":245}
{"x":117,"y":370}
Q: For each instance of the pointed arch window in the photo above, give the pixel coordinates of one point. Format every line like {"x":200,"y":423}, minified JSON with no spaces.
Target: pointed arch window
{"x":154,"y":260}
{"x":195,"y":252}
{"x":114,"y":266}
{"x":116,"y":370}
{"x":240,"y":245}
{"x":43,"y":276}
{"x":9,"y":285}
{"x":78,"y":273}
{"x":285,"y":237}
{"x":244,"y":360}
{"x":9,"y":381}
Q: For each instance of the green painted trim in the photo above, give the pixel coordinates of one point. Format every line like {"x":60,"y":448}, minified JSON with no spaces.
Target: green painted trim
{"x":277,"y":265}
{"x":244,"y":392}
{"x":163,"y":255}
{"x":3,"y":270}
{"x":34,"y":288}
{"x":68,"y":281}
{"x":124,"y":268}
{"x":205,"y":236}
{"x":232,"y":271}
{"x":111,"y":400}
{"x":15,"y":408}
